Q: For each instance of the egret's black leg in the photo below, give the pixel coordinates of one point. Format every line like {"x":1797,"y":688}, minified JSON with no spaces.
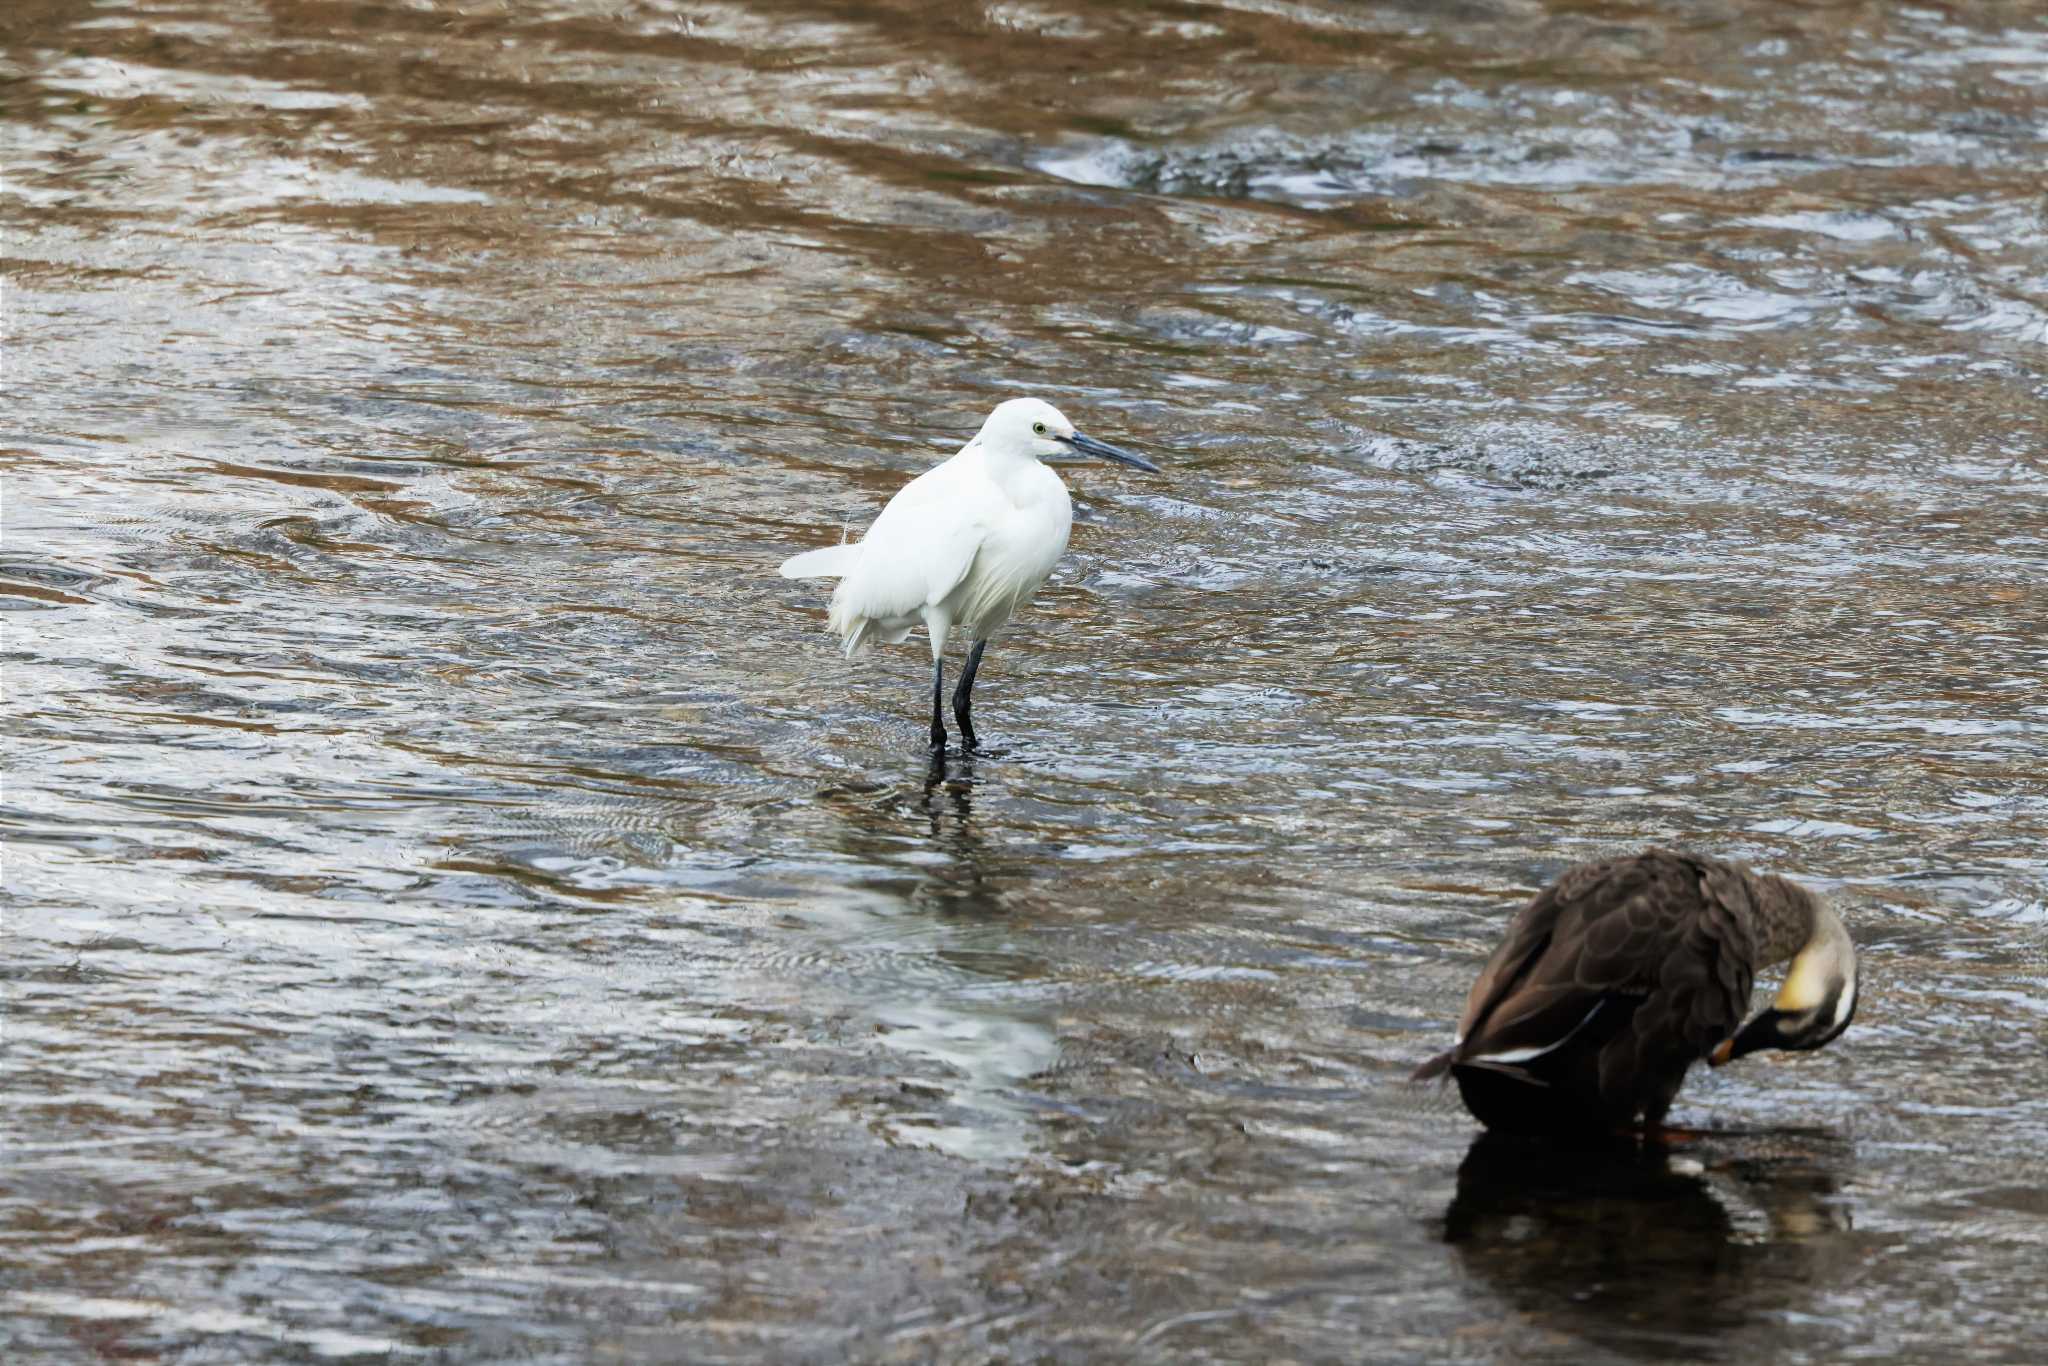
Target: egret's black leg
{"x":939,"y":705}
{"x":963,"y":696}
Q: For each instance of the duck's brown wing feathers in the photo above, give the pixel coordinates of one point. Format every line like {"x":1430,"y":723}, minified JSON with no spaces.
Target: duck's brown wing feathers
{"x":1659,"y":936}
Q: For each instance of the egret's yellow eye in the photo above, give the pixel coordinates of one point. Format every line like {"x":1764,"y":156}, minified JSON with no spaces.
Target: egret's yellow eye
{"x":1038,"y":428}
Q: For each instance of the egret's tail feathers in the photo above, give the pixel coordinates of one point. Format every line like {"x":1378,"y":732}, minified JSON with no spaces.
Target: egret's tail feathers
{"x":857,"y":638}
{"x":858,"y":632}
{"x":834,"y":561}
{"x":851,"y":627}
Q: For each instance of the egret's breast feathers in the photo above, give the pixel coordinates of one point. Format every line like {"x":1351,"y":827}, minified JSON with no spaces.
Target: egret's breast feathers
{"x":1016,"y":554}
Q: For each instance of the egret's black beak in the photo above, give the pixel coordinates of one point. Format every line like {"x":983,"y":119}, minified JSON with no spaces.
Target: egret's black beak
{"x":1088,"y":445}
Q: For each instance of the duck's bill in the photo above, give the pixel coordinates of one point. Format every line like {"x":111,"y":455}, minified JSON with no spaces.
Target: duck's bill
{"x":1088,"y":445}
{"x":1760,"y":1033}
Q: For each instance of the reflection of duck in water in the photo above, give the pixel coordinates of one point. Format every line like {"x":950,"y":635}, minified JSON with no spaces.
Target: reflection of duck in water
{"x":1622,"y":974}
{"x":1609,"y":1242}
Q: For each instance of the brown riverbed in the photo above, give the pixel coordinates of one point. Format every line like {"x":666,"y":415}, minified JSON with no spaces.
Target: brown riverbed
{"x":460,"y":907}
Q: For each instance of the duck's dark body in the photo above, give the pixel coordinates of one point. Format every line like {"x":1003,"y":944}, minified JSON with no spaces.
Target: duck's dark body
{"x":1608,"y":987}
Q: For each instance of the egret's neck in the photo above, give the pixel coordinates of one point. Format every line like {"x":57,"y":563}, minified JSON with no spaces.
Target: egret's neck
{"x":1023,"y":479}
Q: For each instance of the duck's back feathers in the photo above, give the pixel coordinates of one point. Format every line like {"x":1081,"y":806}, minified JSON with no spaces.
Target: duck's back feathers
{"x":1606,"y":988}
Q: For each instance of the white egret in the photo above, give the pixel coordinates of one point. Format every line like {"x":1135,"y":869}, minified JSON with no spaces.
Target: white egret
{"x":965,"y":544}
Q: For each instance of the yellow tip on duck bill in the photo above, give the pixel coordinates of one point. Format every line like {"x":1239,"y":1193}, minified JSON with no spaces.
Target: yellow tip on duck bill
{"x":1721,"y":1054}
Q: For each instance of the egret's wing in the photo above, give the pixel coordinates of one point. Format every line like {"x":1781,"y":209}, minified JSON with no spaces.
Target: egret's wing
{"x":922,"y":545}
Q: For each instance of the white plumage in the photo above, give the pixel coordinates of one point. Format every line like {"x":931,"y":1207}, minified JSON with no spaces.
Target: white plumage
{"x":963,"y":545}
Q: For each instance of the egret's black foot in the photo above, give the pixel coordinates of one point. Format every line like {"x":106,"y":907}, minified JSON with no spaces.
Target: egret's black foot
{"x":938,"y":703}
{"x":963,"y":699}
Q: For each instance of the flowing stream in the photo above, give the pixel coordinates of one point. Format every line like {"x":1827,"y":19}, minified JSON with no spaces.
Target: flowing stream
{"x":460,"y":906}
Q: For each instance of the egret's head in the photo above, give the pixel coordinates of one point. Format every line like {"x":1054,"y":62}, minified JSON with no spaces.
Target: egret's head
{"x":1033,"y":428}
{"x":1814,"y":1006}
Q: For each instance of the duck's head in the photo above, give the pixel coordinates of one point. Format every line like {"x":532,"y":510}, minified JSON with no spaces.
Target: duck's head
{"x":1816,"y":1003}
{"x":1034,"y":429}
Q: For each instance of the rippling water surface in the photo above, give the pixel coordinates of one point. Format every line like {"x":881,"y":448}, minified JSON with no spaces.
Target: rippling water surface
{"x":461,"y":907}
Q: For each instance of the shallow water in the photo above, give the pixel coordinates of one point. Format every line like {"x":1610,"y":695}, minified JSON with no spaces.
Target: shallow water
{"x":460,"y":905}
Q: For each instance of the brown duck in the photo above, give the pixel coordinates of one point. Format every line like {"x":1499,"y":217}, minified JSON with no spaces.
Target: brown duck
{"x":1623,"y":973}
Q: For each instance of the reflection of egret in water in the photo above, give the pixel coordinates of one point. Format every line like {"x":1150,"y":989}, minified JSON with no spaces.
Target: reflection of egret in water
{"x":1647,"y":1252}
{"x":939,"y":971}
{"x":968,"y":880}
